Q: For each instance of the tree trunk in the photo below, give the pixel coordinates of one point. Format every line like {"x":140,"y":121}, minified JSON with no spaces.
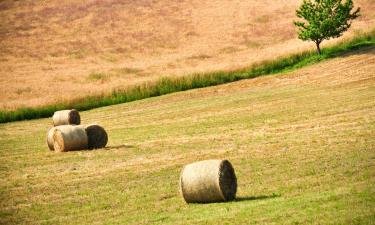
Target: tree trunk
{"x":318,"y":48}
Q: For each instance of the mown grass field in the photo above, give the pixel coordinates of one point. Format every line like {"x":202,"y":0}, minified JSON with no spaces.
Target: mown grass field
{"x":302,"y":144}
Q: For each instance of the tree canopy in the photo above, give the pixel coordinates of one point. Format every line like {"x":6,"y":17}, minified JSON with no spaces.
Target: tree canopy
{"x":324,"y":19}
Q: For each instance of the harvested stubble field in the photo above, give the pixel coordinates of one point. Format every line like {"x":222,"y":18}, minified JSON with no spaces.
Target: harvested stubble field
{"x":302,"y":145}
{"x":54,"y":51}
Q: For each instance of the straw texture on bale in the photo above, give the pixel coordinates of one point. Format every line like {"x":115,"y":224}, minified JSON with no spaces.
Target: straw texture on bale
{"x":97,"y":136}
{"x":50,"y":138}
{"x":208,"y":181}
{"x":69,"y":137}
{"x":66,"y":117}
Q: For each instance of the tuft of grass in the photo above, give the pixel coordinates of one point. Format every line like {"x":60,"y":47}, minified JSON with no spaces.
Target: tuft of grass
{"x":200,"y":57}
{"x":252,"y":44}
{"x":23,"y":90}
{"x":166,"y":85}
{"x":127,"y":70}
{"x":99,"y":77}
{"x":76,"y":54}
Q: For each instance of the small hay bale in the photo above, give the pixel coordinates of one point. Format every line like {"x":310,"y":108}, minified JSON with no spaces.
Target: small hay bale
{"x":66,"y":117}
{"x":97,"y":136}
{"x":69,"y":137}
{"x":208,"y":181}
{"x":50,"y":138}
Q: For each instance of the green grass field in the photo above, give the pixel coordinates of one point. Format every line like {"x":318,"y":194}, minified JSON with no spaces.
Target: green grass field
{"x":302,"y":145}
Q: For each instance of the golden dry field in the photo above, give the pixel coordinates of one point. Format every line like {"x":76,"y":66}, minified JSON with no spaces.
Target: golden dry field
{"x":302,"y":144}
{"x":53,"y":51}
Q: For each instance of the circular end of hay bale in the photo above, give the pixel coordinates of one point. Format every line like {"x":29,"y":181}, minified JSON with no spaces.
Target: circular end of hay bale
{"x":66,"y":117}
{"x":69,"y":138}
{"x":58,"y":141}
{"x":97,"y":136}
{"x":74,"y":117}
{"x":55,"y":119}
{"x":227,"y":180}
{"x":50,"y":138}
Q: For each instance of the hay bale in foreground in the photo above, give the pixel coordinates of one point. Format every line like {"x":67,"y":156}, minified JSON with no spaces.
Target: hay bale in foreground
{"x":69,"y":137}
{"x":66,"y":117}
{"x":50,"y":138}
{"x":97,"y":136}
{"x":208,"y":181}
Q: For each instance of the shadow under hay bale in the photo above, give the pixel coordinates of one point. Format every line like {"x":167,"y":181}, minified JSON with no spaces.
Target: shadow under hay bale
{"x":69,"y":138}
{"x":66,"y":117}
{"x":97,"y":136}
{"x":119,"y":147}
{"x":208,"y":181}
{"x":256,"y":198}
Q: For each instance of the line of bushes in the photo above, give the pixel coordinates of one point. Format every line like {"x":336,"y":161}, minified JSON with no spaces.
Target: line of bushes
{"x":166,"y":85}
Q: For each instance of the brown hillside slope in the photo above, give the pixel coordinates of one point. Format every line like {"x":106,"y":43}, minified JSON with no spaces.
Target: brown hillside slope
{"x":58,"y":50}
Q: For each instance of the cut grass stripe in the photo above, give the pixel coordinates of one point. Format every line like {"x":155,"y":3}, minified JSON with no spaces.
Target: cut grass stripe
{"x":166,"y":85}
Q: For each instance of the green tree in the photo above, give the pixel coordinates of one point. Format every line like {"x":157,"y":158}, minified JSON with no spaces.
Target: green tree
{"x":325,"y":19}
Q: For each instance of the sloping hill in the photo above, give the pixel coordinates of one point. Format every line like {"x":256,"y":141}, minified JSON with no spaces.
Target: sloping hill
{"x":57,"y":50}
{"x":302,"y":145}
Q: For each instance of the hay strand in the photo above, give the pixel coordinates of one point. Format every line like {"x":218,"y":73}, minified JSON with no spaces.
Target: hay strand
{"x":66,"y":117}
{"x":69,"y":137}
{"x":208,"y":181}
{"x":97,"y":136}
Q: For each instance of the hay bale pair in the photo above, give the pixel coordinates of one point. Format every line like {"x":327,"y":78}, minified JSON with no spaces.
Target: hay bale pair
{"x":76,"y":137}
{"x":68,"y":135}
{"x":208,"y":181}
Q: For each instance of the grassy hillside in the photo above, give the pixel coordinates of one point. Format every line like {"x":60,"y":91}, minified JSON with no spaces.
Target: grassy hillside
{"x":53,"y":51}
{"x":302,"y":145}
{"x":166,"y":85}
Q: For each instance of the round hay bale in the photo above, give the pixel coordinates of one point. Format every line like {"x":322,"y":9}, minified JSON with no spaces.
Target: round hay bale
{"x":68,"y":138}
{"x":97,"y":136}
{"x":208,"y":181}
{"x":50,"y":138}
{"x":66,"y":117}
